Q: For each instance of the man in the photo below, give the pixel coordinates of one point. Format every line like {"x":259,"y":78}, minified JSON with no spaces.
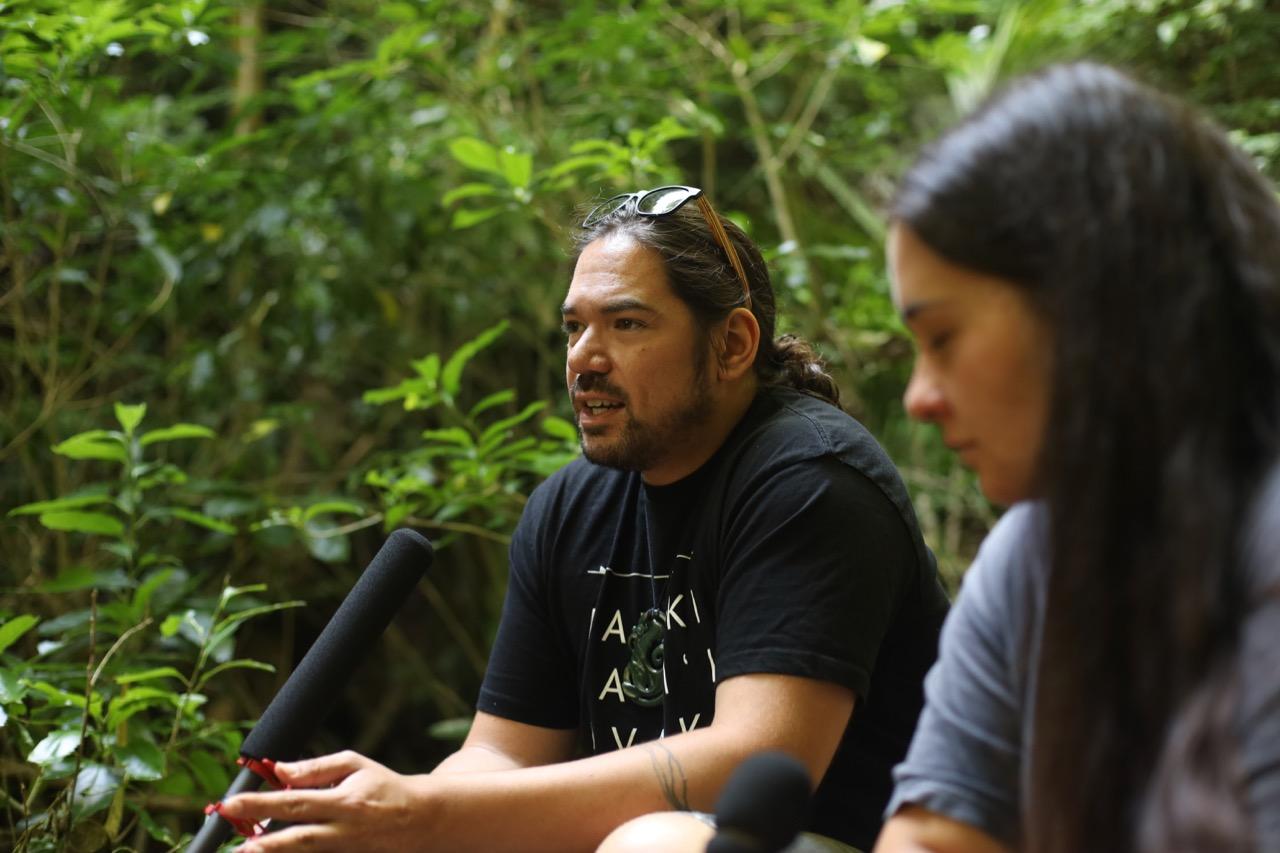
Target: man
{"x":733,"y":567}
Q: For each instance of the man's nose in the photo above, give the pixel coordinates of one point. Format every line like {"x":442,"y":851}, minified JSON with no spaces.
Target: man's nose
{"x":588,"y":355}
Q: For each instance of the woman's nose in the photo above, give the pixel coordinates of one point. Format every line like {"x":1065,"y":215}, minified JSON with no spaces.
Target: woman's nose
{"x":923,"y":398}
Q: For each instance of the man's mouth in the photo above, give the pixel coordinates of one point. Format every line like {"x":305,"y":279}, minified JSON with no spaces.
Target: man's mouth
{"x":597,"y":413}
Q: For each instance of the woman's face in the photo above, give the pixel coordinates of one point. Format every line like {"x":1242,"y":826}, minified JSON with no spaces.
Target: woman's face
{"x":982,"y":372}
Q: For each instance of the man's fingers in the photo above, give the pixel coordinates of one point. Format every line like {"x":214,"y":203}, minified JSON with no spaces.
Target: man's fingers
{"x":312,"y":837}
{"x":303,"y":806}
{"x":320,"y":772}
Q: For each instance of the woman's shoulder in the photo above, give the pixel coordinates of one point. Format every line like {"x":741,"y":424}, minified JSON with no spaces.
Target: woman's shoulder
{"x":1012,"y":566}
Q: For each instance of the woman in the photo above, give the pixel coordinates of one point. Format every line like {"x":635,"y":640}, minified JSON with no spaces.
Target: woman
{"x":1092,"y":273}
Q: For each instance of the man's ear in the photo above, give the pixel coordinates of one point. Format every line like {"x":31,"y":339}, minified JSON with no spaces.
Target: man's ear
{"x":736,"y":345}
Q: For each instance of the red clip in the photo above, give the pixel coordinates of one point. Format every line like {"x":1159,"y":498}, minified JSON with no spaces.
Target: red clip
{"x":244,"y":826}
{"x":264,"y":767}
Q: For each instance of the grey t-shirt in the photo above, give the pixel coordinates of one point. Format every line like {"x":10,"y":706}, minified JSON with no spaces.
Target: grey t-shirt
{"x":969,"y":758}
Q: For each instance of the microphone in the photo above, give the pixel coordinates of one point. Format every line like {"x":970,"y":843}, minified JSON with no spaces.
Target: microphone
{"x":763,"y":806}
{"x":313,"y":686}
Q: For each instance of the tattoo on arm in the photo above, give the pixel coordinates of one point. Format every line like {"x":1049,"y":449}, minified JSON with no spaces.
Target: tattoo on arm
{"x":670,"y":775}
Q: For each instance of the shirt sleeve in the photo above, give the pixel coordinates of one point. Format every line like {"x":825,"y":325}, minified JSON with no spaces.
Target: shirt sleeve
{"x":530,"y":675}
{"x":966,"y":757}
{"x":815,"y":563}
{"x":1260,"y":718}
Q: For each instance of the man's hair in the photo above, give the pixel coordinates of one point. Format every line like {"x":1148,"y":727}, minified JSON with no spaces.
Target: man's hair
{"x":701,"y":275}
{"x":1151,"y":246}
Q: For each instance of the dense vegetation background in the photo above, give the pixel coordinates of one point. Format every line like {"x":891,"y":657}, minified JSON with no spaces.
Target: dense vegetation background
{"x":277,"y":276}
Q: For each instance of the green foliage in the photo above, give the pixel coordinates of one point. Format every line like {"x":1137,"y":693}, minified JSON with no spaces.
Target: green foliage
{"x":103,"y":699}
{"x":249,"y":214}
{"x":474,"y":466}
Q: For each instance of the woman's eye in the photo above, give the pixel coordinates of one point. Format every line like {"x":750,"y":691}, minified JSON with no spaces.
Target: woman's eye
{"x":939,"y":341}
{"x":569,"y":327}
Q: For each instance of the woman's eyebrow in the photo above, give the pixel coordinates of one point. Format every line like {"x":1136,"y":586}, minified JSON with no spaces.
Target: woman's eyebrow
{"x":912,"y":310}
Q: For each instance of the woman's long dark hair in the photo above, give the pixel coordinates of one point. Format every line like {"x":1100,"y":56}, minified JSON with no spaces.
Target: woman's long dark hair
{"x":1151,"y":245}
{"x":701,"y":275}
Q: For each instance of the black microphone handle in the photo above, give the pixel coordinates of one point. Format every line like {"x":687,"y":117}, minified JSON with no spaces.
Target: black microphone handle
{"x":217,"y":829}
{"x":729,"y":840}
{"x":763,"y":806}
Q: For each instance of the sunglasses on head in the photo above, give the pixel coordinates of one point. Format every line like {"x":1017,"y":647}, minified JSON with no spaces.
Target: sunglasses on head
{"x":665,"y":200}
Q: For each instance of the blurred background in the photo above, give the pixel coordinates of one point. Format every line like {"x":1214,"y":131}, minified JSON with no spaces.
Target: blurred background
{"x":278,"y":276}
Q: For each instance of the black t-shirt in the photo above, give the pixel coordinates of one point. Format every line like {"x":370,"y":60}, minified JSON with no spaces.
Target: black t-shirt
{"x":793,"y":550}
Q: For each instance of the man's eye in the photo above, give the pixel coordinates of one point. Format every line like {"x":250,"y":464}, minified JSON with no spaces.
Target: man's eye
{"x":626,"y":323}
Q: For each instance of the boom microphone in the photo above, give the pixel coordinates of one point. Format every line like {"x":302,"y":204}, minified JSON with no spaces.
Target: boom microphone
{"x":313,"y":686}
{"x":763,"y":806}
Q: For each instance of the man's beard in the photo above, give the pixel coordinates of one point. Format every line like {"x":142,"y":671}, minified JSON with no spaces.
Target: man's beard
{"x":642,"y":444}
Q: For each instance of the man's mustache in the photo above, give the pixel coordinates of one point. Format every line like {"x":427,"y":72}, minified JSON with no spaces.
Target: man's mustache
{"x":596,"y":382}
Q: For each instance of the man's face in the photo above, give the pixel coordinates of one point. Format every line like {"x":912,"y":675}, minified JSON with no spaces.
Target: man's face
{"x":636,"y":365}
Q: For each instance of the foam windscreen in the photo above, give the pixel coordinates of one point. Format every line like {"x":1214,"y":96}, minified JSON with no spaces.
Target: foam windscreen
{"x":763,"y":806}
{"x":319,"y":679}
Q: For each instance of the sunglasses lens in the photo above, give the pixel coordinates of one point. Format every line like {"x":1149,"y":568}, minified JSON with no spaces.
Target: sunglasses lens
{"x":664,"y":200}
{"x":606,"y":209}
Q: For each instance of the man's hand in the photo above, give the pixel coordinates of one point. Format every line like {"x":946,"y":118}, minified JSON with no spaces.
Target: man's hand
{"x":342,"y":801}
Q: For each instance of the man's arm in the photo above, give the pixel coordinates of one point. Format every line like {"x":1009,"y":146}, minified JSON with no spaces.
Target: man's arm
{"x":917,"y":830}
{"x":565,"y":806}
{"x":495,"y":743}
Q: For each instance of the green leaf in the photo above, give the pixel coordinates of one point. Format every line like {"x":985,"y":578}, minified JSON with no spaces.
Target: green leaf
{"x":450,"y":377}
{"x":210,"y":772}
{"x":130,"y":416}
{"x":230,"y":592}
{"x":83,"y":577}
{"x":94,"y":787}
{"x":574,"y":164}
{"x":499,"y":427}
{"x":475,"y":154}
{"x":228,"y":626}
{"x":11,"y":687}
{"x":95,"y":444}
{"x":559,"y":428}
{"x":471,"y":190}
{"x":176,"y":431}
{"x":516,"y":167}
{"x":136,"y":700}
{"x":325,"y":507}
{"x":327,"y":549}
{"x":141,"y":760}
{"x":428,"y":369}
{"x":14,"y":628}
{"x":495,"y":399}
{"x":464,"y":219}
{"x":449,"y":435}
{"x":54,"y":747}
{"x":201,"y":520}
{"x":83,"y":522}
{"x":454,"y":730}
{"x":239,"y":663}
{"x":151,"y":675}
{"x":71,"y":502}
{"x":57,"y":696}
{"x":870,"y":51}
{"x":142,"y":597}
